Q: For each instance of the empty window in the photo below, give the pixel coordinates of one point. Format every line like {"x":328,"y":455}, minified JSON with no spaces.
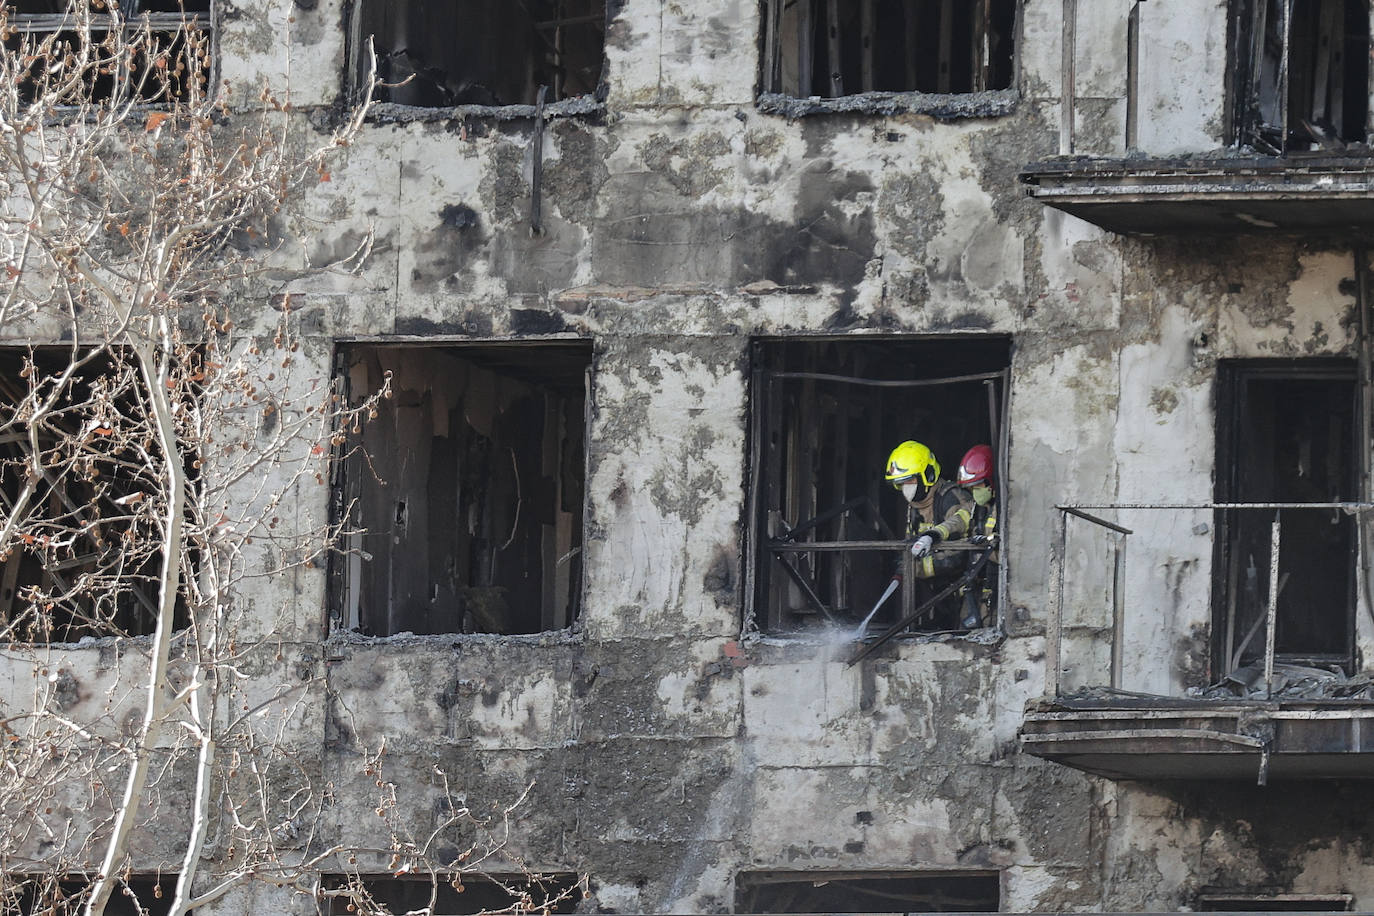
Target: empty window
{"x":86,"y":557}
{"x":467,"y":489}
{"x":867,"y":892}
{"x":1302,"y":73}
{"x":1260,"y":902}
{"x":828,"y":530}
{"x":490,"y":52}
{"x":151,"y":66}
{"x":1286,"y":434}
{"x":139,"y":895}
{"x":829,"y":49}
{"x":555,"y":893}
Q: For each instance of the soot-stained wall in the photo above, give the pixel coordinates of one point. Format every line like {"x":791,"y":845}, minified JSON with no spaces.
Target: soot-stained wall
{"x":669,"y":747}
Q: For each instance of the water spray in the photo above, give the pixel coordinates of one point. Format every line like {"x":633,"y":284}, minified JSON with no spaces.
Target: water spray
{"x":863,"y":627}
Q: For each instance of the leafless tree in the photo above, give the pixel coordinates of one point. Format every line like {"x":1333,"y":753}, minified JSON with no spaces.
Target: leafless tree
{"x":163,"y":451}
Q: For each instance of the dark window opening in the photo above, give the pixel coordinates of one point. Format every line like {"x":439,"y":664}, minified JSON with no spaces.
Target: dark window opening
{"x":154,"y":71}
{"x":825,"y":416}
{"x":829,"y":49}
{"x":1218,"y":901}
{"x":467,"y":488}
{"x":138,"y":895}
{"x":85,"y":561}
{"x":550,"y":893}
{"x":1286,"y":434}
{"x":446,"y":53}
{"x":866,"y":892}
{"x":1302,"y":74}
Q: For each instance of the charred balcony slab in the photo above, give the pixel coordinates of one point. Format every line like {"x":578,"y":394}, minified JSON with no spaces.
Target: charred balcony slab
{"x":1157,"y":738}
{"x":1292,"y":194}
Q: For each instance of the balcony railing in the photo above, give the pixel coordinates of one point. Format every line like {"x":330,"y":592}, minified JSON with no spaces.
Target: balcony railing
{"x":1102,"y":568}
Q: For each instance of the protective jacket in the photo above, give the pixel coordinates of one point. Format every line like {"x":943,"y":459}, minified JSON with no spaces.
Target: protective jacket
{"x":946,"y":513}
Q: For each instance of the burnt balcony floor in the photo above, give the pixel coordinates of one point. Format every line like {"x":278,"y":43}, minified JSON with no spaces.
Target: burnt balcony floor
{"x":1157,"y":738}
{"x":1304,"y":192}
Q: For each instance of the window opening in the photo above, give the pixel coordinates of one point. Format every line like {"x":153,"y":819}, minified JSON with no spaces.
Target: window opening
{"x":866,"y":892}
{"x":467,"y":488}
{"x":177,"y":30}
{"x":829,"y":530}
{"x":453,"y":52}
{"x":461,"y":894}
{"x":1259,"y":902}
{"x":85,"y":563}
{"x":830,"y":49}
{"x":1285,"y":434}
{"x":1302,"y":72}
{"x":137,"y":895}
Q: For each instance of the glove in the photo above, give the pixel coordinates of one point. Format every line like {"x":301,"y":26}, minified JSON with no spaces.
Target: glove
{"x":922,"y":546}
{"x":982,"y":539}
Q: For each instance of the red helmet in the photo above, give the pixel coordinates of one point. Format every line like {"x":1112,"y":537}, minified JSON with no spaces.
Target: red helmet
{"x":976,"y":466}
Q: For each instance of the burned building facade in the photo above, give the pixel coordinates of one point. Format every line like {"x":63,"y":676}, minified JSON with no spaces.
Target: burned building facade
{"x":660,"y":285}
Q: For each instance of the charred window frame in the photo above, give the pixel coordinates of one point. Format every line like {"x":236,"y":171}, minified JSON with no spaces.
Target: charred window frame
{"x":557,"y":892}
{"x":87,"y":487}
{"x":1300,"y":74}
{"x":167,"y":21}
{"x":867,"y":892}
{"x":830,"y":48}
{"x":489,"y":53}
{"x":466,"y":494}
{"x":1287,"y":432}
{"x":826,"y":529}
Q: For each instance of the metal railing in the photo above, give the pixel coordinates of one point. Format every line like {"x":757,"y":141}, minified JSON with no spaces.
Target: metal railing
{"x":1120,"y":533}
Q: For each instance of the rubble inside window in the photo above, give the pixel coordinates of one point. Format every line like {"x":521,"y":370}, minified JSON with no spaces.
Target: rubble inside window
{"x":467,"y":893}
{"x":828,"y":531}
{"x":467,"y":489}
{"x":1286,"y":434}
{"x":491,"y":53}
{"x":831,"y":49}
{"x":84,"y":562}
{"x":867,"y":892}
{"x":168,"y":22}
{"x":1302,"y":74}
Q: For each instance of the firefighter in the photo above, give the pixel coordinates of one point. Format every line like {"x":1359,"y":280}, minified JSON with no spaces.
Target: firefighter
{"x":937,"y":510}
{"x":975,"y":477}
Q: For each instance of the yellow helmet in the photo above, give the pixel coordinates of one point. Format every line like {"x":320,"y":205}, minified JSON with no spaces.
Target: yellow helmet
{"x":912,"y":460}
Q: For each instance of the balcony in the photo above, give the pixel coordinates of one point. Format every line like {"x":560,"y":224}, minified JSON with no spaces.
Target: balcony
{"x":1277,"y":698}
{"x":1300,"y":192}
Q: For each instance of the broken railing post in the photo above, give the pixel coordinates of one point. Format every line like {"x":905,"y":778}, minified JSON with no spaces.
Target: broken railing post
{"x":1054,"y":632}
{"x":1271,"y":622}
{"x":1118,"y":610}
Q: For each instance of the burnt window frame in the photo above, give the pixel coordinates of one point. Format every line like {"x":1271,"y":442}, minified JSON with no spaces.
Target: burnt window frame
{"x":1232,"y":374}
{"x":979,"y":99}
{"x":545,"y":104}
{"x":764,"y":563}
{"x":159,"y":23}
{"x":1245,"y":123}
{"x":352,"y":469}
{"x":883,"y":888}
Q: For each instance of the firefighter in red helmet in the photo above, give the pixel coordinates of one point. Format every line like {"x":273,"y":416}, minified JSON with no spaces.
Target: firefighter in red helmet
{"x":976,"y":478}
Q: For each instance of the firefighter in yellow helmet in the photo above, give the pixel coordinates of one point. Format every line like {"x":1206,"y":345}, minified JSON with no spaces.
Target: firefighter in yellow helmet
{"x":937,"y":510}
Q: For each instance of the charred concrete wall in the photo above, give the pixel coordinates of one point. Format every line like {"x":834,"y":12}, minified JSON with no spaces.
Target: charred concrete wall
{"x":669,"y":747}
